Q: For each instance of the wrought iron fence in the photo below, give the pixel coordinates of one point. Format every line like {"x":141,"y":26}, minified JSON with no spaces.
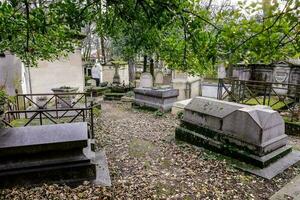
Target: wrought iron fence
{"x":54,"y":113}
{"x":52,"y":100}
{"x":279,"y":96}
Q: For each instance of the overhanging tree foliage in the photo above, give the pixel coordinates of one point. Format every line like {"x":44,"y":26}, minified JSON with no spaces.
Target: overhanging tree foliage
{"x":190,"y":35}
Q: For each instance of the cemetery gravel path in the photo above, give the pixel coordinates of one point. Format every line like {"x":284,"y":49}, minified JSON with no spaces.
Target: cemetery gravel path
{"x":146,"y":162}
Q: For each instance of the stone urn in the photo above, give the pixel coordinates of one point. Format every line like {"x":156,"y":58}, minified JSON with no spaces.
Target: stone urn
{"x":66,"y":100}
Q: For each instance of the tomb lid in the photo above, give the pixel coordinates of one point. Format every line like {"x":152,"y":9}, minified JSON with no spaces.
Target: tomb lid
{"x":160,"y":92}
{"x":46,"y":134}
{"x":213,"y":107}
{"x":264,"y":118}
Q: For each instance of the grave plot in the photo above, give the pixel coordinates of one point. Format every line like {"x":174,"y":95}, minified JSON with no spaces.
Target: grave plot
{"x":144,"y":156}
{"x":161,"y":99}
{"x":36,"y":154}
{"x":251,"y":134}
{"x":52,"y":145}
{"x":157,"y":98}
{"x":117,"y":90}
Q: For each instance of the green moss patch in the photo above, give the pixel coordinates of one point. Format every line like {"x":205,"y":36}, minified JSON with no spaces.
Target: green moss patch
{"x":274,"y":103}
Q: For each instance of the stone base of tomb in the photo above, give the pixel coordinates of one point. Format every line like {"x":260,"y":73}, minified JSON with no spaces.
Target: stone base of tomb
{"x":221,"y":143}
{"x":48,"y":153}
{"x":69,"y":168}
{"x":158,"y":99}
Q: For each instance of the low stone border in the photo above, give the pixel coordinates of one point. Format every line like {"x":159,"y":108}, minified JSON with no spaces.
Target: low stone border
{"x":292,"y":128}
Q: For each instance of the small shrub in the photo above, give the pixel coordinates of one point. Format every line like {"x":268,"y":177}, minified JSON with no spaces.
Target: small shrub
{"x":3,"y":100}
{"x":3,"y":96}
{"x":159,"y":113}
{"x":180,"y":115}
{"x":96,"y":112}
{"x":129,"y":94}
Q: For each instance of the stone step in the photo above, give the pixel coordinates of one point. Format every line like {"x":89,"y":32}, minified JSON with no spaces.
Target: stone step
{"x":289,"y":191}
{"x":218,"y":146}
{"x":59,"y":167}
{"x":12,"y":165}
{"x":46,"y":138}
{"x":67,"y":173}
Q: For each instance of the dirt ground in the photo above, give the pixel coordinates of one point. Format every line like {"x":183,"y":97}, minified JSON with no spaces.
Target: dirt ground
{"x":146,"y":162}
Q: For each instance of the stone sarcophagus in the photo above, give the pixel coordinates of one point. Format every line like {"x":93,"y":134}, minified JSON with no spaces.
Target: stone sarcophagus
{"x":161,"y":98}
{"x":254,"y":134}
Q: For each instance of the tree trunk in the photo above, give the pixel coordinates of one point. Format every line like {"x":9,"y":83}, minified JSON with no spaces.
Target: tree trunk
{"x":103,"y":50}
{"x":131,"y":70}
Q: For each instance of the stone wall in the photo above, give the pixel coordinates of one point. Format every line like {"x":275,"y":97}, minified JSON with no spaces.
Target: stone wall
{"x":262,"y":72}
{"x":10,"y":73}
{"x":63,"y":72}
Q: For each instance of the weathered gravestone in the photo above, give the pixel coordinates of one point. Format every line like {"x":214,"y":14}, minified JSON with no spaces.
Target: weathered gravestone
{"x":34,"y":154}
{"x":159,"y":78}
{"x":162,"y":98}
{"x":253,"y":134}
{"x":146,"y":80}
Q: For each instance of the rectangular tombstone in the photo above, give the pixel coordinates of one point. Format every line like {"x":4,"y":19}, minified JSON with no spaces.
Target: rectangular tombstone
{"x":146,"y":80}
{"x":209,"y":112}
{"x":261,"y":129}
{"x":36,"y":139}
{"x":179,"y":106}
{"x":155,"y":98}
{"x":48,"y":153}
{"x":251,"y":133}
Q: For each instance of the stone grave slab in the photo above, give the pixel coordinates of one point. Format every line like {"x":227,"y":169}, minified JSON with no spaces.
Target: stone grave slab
{"x":289,"y":191}
{"x":252,"y":134}
{"x":276,"y":167}
{"x":162,"y":98}
{"x":179,"y":106}
{"x":261,"y":129}
{"x":209,"y":112}
{"x":48,"y":153}
{"x":33,"y":139}
{"x":159,"y":78}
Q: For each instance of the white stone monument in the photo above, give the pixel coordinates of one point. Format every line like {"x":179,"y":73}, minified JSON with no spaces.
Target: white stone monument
{"x":188,"y":86}
{"x":159,"y":78}
{"x":146,"y":80}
